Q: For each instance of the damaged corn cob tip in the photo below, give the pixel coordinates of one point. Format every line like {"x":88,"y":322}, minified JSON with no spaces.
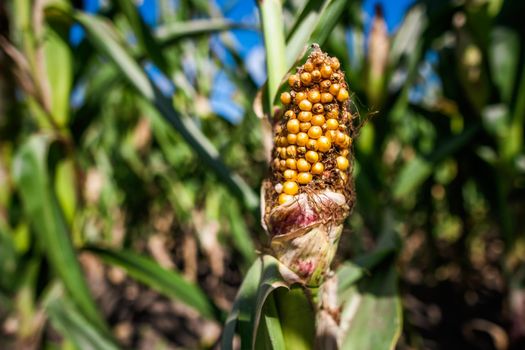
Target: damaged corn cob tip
{"x":310,"y":190}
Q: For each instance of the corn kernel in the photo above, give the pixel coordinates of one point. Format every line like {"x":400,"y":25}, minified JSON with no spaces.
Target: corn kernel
{"x":302,"y":139}
{"x":331,"y":134}
{"x":286,"y":98}
{"x":283,"y":153}
{"x":325,"y":84}
{"x":290,"y":174}
{"x":304,"y":127}
{"x":316,"y":76}
{"x":334,"y":63}
{"x":305,"y":116}
{"x":314,"y":96}
{"x":334,"y":113}
{"x":317,"y":168}
{"x":282,"y":164}
{"x":324,"y":144}
{"x":293,"y":126}
{"x":311,"y":156}
{"x":326,"y":97}
{"x":332,"y":124}
{"x":318,"y":120}
{"x":291,"y":163}
{"x":290,"y":114}
{"x":294,"y":81}
{"x":301,"y":150}
{"x":303,"y":165}
{"x":306,"y":78}
{"x":284,"y":198}
{"x":312,"y":145}
{"x":300,"y":96}
{"x":291,"y":139}
{"x":291,"y":151}
{"x":326,"y":71}
{"x":342,"y":95}
{"x":340,"y":138}
{"x":342,"y":163}
{"x":318,"y":108}
{"x":308,"y":66}
{"x":334,"y":89}
{"x":315,"y":132}
{"x":304,"y":178}
{"x":305,"y":105}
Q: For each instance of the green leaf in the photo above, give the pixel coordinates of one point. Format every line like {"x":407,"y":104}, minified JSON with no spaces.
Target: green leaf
{"x":273,"y":31}
{"x":31,"y":174}
{"x":503,"y":60}
{"x":67,"y":319}
{"x":105,"y":39}
{"x":262,"y":278}
{"x":239,"y":232}
{"x":169,"y":283}
{"x":371,"y":317}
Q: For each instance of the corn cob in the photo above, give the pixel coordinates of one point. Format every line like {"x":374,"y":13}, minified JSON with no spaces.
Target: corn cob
{"x":310,"y":191}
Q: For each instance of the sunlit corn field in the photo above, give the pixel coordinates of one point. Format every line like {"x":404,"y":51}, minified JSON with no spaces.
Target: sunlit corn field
{"x":302,"y":174}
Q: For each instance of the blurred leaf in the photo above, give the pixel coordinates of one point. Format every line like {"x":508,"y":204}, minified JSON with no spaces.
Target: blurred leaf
{"x":31,"y":174}
{"x":145,"y":39}
{"x":65,"y":187}
{"x":8,"y":259}
{"x":171,"y":32}
{"x":167,"y":282}
{"x":239,"y":232}
{"x":59,"y":75}
{"x":503,"y":60}
{"x":101,"y":36}
{"x":418,"y":169}
{"x":371,"y":316}
{"x":67,"y":319}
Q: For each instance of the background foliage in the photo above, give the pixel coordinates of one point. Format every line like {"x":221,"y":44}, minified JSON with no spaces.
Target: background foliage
{"x":128,"y":206}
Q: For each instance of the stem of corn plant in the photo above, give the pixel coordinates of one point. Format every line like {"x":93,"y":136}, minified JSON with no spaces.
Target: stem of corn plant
{"x":273,"y":30}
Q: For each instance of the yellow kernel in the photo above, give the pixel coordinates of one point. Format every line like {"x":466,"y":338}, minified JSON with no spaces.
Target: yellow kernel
{"x":276,"y":163}
{"x":318,"y":108}
{"x":325,"y":84}
{"x":311,"y":156}
{"x":286,"y":98}
{"x":334,"y":113}
{"x":306,"y":78}
{"x":291,"y":151}
{"x":308,"y":66}
{"x":291,"y":139}
{"x":305,"y":127}
{"x":305,"y":116}
{"x":335,"y":63}
{"x":283,"y":141}
{"x":300,"y":96}
{"x":290,"y":187}
{"x":282,"y":164}
{"x":340,"y":138}
{"x":326,"y":71}
{"x":294,"y":81}
{"x":316,"y":75}
{"x":303,"y":165}
{"x":318,"y":120}
{"x":324,"y":144}
{"x":302,"y":139}
{"x":291,"y":163}
{"x":342,"y":95}
{"x":343,"y":175}
{"x":283,"y":153}
{"x":305,"y":105}
{"x":331,"y":134}
{"x":317,"y":168}
{"x":342,"y":163}
{"x":285,"y":198}
{"x":289,"y":114}
{"x":315,"y":132}
{"x":304,"y":178}
{"x":290,"y":174}
{"x":345,"y":152}
{"x":312,"y":145}
{"x":332,"y":124}
{"x":334,"y":89}
{"x":293,"y":126}
{"x":335,"y":77}
{"x":314,"y":96}
{"x":326,"y":97}
{"x":301,"y":150}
